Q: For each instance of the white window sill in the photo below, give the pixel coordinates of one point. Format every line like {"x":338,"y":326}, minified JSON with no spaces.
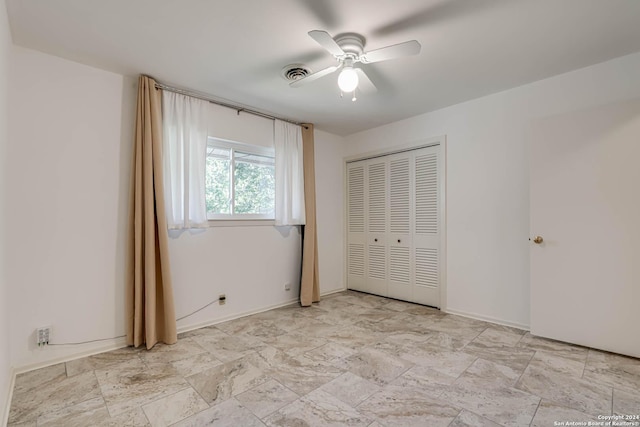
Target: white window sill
{"x":241,"y":222}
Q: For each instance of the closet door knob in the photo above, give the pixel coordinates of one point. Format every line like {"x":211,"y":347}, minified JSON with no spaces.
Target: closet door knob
{"x":398,"y":240}
{"x":375,"y":240}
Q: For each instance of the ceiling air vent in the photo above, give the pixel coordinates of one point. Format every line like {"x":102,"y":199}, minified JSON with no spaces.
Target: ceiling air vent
{"x":295,"y":72}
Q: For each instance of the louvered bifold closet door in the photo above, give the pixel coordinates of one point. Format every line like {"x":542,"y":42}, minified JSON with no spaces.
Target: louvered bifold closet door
{"x":356,"y":226}
{"x":394,"y":222}
{"x":400,"y":227}
{"x":426,"y":165}
{"x":377,"y":185}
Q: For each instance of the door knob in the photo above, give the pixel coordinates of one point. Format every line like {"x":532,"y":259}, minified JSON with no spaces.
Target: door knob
{"x":375,"y":240}
{"x":398,"y":240}
{"x":538,"y":239}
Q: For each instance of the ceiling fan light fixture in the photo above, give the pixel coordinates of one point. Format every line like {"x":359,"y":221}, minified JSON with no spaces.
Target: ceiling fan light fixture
{"x":348,"y":79}
{"x":348,"y":49}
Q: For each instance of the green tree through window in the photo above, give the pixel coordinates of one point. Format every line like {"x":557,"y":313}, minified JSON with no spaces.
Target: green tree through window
{"x":250,"y":175}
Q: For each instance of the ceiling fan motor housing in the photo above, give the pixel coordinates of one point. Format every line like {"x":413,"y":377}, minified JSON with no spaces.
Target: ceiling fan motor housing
{"x":348,"y":49}
{"x":351,"y":43}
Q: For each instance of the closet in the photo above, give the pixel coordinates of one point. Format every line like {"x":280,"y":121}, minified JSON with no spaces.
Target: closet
{"x":394,"y":225}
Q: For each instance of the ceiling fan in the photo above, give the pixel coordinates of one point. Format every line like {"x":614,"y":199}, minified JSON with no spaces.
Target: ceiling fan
{"x":348,"y":49}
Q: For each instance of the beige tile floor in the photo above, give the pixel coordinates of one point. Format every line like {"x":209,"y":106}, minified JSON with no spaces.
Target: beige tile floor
{"x":353,"y":359}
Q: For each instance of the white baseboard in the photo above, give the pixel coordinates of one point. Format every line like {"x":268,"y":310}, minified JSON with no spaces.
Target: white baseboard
{"x":109,"y":345}
{"x":207,"y":323}
{"x":121,"y":342}
{"x":476,"y":316}
{"x":487,"y":319}
{"x":4,"y":417}
{"x":333,"y":291}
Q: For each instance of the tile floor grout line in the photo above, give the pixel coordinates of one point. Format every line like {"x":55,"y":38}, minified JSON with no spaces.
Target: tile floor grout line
{"x":612,"y":397}
{"x":382,"y":328}
{"x":194,"y":389}
{"x":584,"y":368}
{"x":536,"y":411}
{"x":286,"y":404}
{"x":455,"y":418}
{"x":188,"y":386}
{"x":76,"y":404}
{"x":467,"y":368}
{"x":146,"y":417}
{"x":525,"y":370}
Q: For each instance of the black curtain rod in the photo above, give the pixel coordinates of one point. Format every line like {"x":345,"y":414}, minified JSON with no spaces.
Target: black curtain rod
{"x":224,"y":104}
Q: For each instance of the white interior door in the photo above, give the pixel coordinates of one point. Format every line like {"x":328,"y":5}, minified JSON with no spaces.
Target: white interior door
{"x":427,"y":234}
{"x":376,"y":201}
{"x":400,"y":208}
{"x":356,"y":240}
{"x":585,"y":204}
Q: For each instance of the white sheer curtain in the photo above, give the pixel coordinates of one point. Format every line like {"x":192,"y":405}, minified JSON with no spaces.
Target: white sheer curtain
{"x":289,"y":174}
{"x":184,"y":159}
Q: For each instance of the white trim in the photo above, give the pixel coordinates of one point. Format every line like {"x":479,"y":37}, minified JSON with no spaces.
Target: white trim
{"x":410,"y":146}
{"x":345,"y":227}
{"x":113,"y":344}
{"x":238,"y":222}
{"x":333,"y":291}
{"x":117,"y":343}
{"x":239,"y":217}
{"x":4,"y":417}
{"x":233,"y":147}
{"x":241,"y":146}
{"x":183,"y":329}
{"x":443,"y":223}
{"x":489,"y":319}
{"x":206,"y":323}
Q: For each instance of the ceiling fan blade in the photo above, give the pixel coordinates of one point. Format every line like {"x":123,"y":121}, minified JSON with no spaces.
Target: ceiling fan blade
{"x":325,"y":12}
{"x":391,"y":52}
{"x":364,"y":82}
{"x":325,"y":40}
{"x":436,"y":14}
{"x":313,"y":77}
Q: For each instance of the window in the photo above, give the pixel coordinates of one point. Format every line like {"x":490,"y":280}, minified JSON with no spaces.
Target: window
{"x":240,"y":181}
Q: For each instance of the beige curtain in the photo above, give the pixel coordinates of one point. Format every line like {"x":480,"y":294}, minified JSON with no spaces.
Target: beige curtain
{"x":150,"y":310}
{"x":310,"y":282}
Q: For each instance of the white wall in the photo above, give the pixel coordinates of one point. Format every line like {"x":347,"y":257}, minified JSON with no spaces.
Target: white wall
{"x":70,"y":148}
{"x":488,"y":183}
{"x":225,"y":123}
{"x":71,"y":142}
{"x":249,"y":264}
{"x":329,"y":151}
{"x":5,"y":363}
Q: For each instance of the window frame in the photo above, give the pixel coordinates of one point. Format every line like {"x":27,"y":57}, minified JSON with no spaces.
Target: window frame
{"x":235,"y":218}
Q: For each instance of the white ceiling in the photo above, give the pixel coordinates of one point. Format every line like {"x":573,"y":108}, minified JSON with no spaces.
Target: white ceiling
{"x":235,"y":49}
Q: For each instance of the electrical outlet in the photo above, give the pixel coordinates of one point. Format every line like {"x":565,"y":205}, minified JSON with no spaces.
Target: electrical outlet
{"x":222,"y":299}
{"x":287,"y":286}
{"x":43,"y":334}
